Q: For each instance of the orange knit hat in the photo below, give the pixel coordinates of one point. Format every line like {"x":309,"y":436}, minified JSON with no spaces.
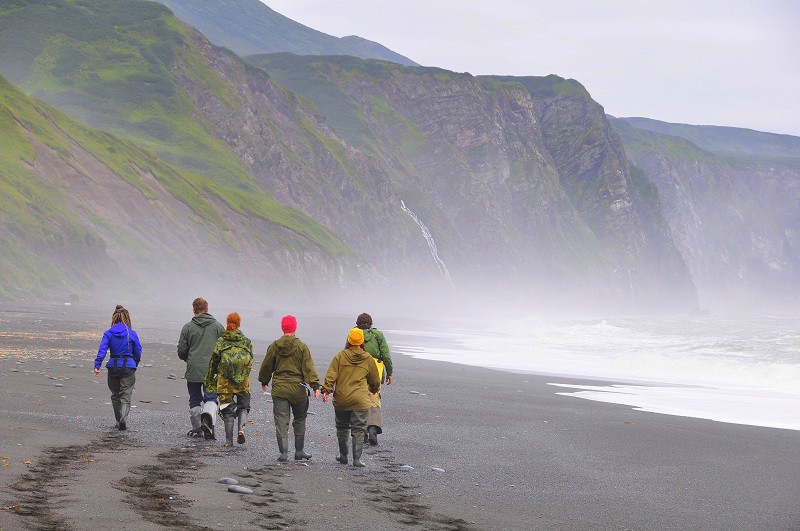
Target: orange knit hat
{"x":356,"y":337}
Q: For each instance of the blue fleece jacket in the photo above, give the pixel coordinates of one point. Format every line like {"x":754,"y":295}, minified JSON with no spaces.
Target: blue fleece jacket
{"x":126,"y":351}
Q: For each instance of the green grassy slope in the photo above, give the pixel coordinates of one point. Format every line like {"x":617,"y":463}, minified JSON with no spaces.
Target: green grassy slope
{"x":109,"y":64}
{"x":249,"y":27}
{"x":38,"y":227}
{"x":725,"y":140}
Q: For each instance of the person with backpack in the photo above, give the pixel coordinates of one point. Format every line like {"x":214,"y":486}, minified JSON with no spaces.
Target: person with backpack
{"x":375,"y":344}
{"x":195,"y":347}
{"x":352,"y":376}
{"x":289,"y":365}
{"x":125,"y":353}
{"x":229,"y":377}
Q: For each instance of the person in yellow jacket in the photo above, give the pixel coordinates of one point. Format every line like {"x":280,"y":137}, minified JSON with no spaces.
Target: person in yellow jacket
{"x":352,"y":376}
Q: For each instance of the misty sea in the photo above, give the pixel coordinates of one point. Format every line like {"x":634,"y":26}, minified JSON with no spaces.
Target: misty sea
{"x":744,"y":370}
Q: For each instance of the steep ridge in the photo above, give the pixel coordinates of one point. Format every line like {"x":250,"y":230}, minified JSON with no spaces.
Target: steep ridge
{"x":249,"y":27}
{"x":613,"y":198}
{"x":537,"y":153}
{"x":735,"y":219}
{"x":82,"y":211}
{"x":416,"y":169}
{"x":725,"y":140}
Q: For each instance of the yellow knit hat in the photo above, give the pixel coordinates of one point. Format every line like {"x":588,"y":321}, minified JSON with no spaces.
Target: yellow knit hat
{"x":356,"y":337}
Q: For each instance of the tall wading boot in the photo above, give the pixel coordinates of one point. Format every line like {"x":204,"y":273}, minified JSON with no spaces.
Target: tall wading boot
{"x":283,"y":448}
{"x":116,"y":413}
{"x":194,"y":418}
{"x":299,"y":443}
{"x":358,"y":447}
{"x":229,"y":421}
{"x":342,"y":457}
{"x":242,"y":422}
{"x":123,"y":416}
{"x":208,"y":417}
{"x":372,"y":435}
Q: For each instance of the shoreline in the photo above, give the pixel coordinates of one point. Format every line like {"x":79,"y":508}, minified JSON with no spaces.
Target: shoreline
{"x":515,"y":454}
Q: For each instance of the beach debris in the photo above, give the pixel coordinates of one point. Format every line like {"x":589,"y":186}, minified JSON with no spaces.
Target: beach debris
{"x":238,"y":489}
{"x":164,"y":402}
{"x":145,"y":401}
{"x":437,"y":469}
{"x":228,"y":481}
{"x":27,"y":463}
{"x":406,"y":467}
{"x":414,"y":392}
{"x":59,"y":385}
{"x":14,"y":370}
{"x":172,"y":377}
{"x":176,"y":396}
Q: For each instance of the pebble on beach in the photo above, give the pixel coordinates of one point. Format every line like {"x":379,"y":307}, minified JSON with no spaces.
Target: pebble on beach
{"x":238,"y":489}
{"x":407,"y":467}
{"x":228,"y":481}
{"x":164,"y":402}
{"x":414,"y":392}
{"x":436,"y":469}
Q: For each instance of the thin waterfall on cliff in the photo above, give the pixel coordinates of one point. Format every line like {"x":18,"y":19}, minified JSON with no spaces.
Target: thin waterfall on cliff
{"x":431,"y":244}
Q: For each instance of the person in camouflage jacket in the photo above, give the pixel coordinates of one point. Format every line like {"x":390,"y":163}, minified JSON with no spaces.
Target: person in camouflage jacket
{"x":229,"y":377}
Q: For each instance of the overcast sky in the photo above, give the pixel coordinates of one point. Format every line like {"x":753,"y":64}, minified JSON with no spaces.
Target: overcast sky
{"x":719,"y":62}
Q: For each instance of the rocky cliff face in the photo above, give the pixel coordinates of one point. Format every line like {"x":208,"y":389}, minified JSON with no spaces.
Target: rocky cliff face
{"x":440,"y":181}
{"x":505,"y":162}
{"x":736,"y":222}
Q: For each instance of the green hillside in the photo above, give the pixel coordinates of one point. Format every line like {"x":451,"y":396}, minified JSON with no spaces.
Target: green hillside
{"x":249,"y":27}
{"x":725,"y":140}
{"x":109,"y":64}
{"x":39,"y":226}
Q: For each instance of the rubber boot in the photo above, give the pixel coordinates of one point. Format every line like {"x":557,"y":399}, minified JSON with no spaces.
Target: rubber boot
{"x":194,"y":418}
{"x":208,"y":417}
{"x":299,"y":443}
{"x":242,"y":423}
{"x":283,"y":448}
{"x":123,"y":416}
{"x":372,"y":435}
{"x":229,"y":421}
{"x":342,"y":457}
{"x":116,"y":415}
{"x":358,"y":447}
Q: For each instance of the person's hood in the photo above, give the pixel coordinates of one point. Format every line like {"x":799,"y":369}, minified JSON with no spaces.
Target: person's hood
{"x":119,"y":330}
{"x":234,"y":336}
{"x":286,"y":346}
{"x":203,"y":319}
{"x":355,"y":356}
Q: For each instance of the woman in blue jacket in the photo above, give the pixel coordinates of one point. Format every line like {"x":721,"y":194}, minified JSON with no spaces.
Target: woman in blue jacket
{"x":126,"y":351}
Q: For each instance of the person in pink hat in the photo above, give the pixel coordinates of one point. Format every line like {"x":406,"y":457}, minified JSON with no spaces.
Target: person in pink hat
{"x":289,"y":365}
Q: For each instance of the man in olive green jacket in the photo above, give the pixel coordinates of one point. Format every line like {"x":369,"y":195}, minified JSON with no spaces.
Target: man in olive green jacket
{"x":289,"y":365}
{"x":195,"y":347}
{"x":352,"y":376}
{"x":375,"y":344}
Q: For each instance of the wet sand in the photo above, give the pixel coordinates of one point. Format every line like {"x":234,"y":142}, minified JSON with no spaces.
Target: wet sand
{"x":515,"y":454}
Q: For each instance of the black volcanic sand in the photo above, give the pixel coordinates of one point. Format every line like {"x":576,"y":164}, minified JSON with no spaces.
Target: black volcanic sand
{"x":515,"y":454}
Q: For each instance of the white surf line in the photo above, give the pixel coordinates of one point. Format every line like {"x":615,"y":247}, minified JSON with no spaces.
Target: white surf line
{"x":753,"y":407}
{"x":431,"y":244}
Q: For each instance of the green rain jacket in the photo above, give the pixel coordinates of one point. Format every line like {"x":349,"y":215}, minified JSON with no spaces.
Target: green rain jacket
{"x":351,"y":377}
{"x":231,"y":362}
{"x":288,"y":364}
{"x":375,"y":344}
{"x":196,"y":345}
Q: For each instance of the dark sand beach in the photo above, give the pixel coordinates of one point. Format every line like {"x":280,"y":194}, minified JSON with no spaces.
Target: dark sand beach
{"x":515,"y":454}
